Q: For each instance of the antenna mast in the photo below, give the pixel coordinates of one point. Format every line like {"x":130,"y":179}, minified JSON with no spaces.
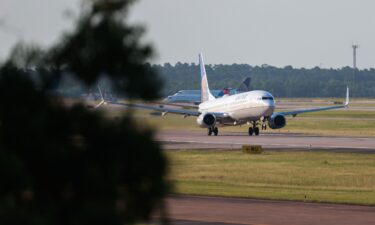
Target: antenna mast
{"x":355,"y":47}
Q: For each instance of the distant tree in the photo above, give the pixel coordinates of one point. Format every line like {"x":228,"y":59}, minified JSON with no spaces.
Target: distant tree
{"x":282,"y":82}
{"x":71,"y":165}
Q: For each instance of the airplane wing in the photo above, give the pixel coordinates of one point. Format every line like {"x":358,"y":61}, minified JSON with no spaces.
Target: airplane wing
{"x":99,"y":104}
{"x":180,"y":105}
{"x":296,"y":112}
{"x":161,"y":108}
{"x":164,"y":110}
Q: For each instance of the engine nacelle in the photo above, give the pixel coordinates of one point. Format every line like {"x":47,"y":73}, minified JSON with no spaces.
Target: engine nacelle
{"x":277,"y":121}
{"x":206,"y":120}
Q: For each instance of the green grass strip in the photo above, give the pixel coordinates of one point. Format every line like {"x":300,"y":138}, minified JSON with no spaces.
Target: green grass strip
{"x":304,"y":176}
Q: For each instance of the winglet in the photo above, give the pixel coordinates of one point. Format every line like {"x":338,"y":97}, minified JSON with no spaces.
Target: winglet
{"x":347,"y":96}
{"x":100,"y":92}
{"x":102,"y":101}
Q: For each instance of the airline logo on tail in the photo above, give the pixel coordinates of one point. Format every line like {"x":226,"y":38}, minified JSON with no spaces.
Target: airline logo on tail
{"x":205,"y":90}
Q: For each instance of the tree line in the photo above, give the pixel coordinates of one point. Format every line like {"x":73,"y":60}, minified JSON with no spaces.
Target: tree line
{"x":282,"y":82}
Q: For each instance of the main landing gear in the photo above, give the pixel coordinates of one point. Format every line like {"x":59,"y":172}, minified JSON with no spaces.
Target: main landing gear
{"x":254,"y":129}
{"x":213,"y":130}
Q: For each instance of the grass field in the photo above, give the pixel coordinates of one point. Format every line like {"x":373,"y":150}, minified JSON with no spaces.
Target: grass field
{"x":345,"y":122}
{"x":307,"y":176}
{"x":303,"y":176}
{"x":333,"y":123}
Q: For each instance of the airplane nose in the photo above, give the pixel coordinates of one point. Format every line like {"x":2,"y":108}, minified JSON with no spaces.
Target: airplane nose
{"x":269,"y":110}
{"x":269,"y":103}
{"x":270,"y":107}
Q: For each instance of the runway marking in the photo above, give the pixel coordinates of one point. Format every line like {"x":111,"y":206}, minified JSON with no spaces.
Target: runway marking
{"x":276,"y":145}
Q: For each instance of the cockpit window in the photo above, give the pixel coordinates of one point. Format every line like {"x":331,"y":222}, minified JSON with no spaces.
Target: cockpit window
{"x":267,"y":98}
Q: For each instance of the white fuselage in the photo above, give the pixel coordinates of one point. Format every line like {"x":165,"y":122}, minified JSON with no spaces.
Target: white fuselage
{"x":247,"y":106}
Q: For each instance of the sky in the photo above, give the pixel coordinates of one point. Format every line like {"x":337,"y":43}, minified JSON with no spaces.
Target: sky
{"x":300,"y":33}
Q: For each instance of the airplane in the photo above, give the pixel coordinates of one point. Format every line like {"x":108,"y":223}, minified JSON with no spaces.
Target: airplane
{"x":254,"y":108}
{"x":194,"y":96}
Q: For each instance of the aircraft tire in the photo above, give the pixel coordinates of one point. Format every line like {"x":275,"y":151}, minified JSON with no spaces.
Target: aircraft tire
{"x":216,"y":131}
{"x":256,"y":131}
{"x":209,"y":133}
{"x":251,"y":131}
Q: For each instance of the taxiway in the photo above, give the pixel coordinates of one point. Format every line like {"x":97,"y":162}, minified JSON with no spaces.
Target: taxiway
{"x":193,"y":210}
{"x":277,"y":141}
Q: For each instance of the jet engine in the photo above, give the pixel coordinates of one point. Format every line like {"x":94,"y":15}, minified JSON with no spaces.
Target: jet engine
{"x":206,"y":120}
{"x":276,"y":121}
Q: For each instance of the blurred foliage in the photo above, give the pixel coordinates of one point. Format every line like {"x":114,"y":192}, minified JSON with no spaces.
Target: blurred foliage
{"x":103,"y":45}
{"x":71,"y":165}
{"x":26,"y":56}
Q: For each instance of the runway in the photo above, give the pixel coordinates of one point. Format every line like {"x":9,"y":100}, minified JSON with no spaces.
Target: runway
{"x":228,"y":140}
{"x":193,"y":210}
